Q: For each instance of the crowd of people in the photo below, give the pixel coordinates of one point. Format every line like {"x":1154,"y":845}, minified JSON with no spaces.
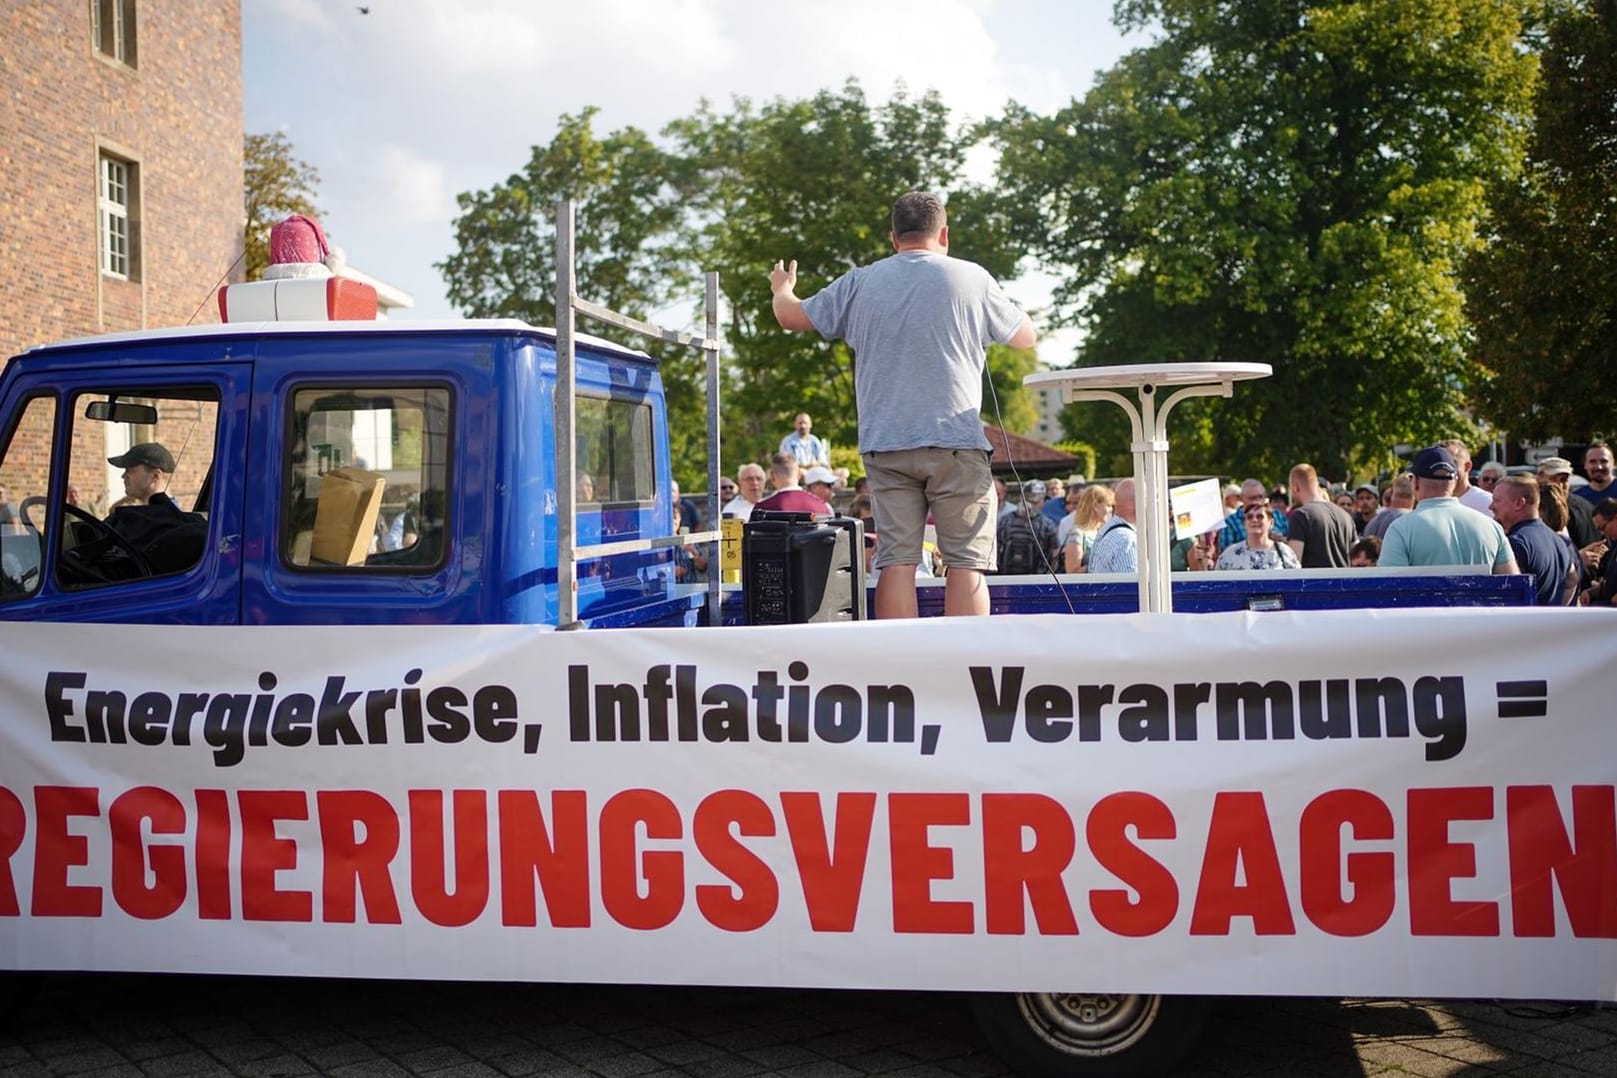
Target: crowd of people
{"x":919,"y":323}
{"x":1431,"y":515}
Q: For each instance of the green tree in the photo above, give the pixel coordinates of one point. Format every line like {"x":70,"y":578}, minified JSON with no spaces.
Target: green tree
{"x":628,"y":209}
{"x":278,"y":184}
{"x":1543,"y":294}
{"x":1287,"y":181}
{"x":814,"y":179}
{"x":628,"y":196}
{"x":731,"y":191}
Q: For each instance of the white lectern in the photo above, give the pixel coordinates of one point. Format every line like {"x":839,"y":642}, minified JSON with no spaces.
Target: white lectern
{"x":1150,"y":422}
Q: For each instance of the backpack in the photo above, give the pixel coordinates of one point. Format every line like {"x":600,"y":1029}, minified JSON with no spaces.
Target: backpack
{"x":1020,"y":551}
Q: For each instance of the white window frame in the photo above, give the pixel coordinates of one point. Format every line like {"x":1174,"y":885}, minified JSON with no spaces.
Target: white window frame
{"x":115,"y":186}
{"x":112,"y":30}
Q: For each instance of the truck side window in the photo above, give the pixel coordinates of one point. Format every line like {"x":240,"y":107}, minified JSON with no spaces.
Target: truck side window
{"x":140,"y":467}
{"x":25,"y":513}
{"x":615,"y":457}
{"x":367,"y":478}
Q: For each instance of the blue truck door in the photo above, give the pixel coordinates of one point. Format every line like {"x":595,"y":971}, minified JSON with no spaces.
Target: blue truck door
{"x":370,"y":462}
{"x":187,"y":575}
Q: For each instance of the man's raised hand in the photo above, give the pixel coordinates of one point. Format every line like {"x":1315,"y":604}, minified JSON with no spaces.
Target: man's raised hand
{"x":783,"y":277}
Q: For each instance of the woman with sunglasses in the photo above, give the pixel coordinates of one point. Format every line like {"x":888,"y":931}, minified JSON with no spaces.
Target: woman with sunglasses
{"x":1259,"y":549}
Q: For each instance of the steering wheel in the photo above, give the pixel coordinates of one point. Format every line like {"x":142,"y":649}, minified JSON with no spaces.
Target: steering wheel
{"x":104,"y":533}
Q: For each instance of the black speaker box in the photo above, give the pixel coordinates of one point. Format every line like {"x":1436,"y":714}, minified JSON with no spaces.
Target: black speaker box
{"x":795,"y":568}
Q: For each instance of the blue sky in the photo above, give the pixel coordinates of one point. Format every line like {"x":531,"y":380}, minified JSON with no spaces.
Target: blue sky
{"x":402,"y":108}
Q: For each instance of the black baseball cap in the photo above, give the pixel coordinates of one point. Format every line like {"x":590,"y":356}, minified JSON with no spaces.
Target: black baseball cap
{"x":150,"y":454}
{"x":1435,"y":462}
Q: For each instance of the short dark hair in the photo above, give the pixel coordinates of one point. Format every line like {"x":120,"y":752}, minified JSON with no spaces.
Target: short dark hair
{"x":1369,"y":547}
{"x":1607,"y":508}
{"x":918,"y":213}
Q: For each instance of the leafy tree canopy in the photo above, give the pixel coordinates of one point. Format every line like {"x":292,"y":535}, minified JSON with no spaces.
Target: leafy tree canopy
{"x":1543,"y":294}
{"x":732,"y":190}
{"x":1287,"y":181}
{"x":278,"y":184}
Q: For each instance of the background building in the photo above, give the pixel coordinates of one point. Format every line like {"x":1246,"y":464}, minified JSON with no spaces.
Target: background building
{"x":120,"y":191}
{"x":121,"y":207}
{"x":120,"y":164}
{"x":1047,"y":405}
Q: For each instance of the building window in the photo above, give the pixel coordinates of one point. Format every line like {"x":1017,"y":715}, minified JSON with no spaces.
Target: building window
{"x":116,"y":208}
{"x":112,"y":29}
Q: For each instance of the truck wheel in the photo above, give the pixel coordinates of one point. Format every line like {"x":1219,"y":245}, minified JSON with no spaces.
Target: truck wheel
{"x":1082,"y":1035}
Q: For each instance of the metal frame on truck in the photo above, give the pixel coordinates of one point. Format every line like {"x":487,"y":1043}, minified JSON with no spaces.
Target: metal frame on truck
{"x":569,"y":304}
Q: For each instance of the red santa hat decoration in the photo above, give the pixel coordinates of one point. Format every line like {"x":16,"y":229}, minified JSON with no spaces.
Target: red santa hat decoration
{"x":303,"y":281}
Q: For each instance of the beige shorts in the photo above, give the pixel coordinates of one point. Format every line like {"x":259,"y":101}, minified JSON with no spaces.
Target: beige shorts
{"x":955,"y":485}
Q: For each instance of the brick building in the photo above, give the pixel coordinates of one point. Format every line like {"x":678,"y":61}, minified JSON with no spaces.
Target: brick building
{"x":120,"y":183}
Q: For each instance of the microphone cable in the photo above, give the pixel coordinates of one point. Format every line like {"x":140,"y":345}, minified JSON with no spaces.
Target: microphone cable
{"x":1010,"y":459}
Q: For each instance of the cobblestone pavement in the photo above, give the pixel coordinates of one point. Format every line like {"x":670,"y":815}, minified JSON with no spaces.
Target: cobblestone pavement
{"x":168,"y":1027}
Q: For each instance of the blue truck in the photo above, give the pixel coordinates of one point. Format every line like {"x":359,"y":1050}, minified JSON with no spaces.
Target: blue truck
{"x":445,"y":428}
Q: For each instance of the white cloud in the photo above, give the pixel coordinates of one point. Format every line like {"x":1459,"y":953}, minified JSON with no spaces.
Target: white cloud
{"x":473,"y":38}
{"x":665,"y":38}
{"x":415,"y":186}
{"x":302,"y":14}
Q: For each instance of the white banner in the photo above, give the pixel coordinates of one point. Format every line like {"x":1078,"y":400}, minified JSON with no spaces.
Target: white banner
{"x":1391,"y":803}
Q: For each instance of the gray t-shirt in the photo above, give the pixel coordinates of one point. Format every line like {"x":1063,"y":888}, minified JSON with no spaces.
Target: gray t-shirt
{"x":919,"y":324}
{"x":1377,"y":528}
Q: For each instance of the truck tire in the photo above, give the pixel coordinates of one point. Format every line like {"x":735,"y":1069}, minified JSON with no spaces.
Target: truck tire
{"x":1080,"y":1035}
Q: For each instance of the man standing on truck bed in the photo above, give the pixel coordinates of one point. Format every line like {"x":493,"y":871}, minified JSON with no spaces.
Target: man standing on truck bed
{"x":919,"y":323}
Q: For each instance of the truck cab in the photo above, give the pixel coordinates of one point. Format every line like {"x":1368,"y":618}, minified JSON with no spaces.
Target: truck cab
{"x":344,"y":472}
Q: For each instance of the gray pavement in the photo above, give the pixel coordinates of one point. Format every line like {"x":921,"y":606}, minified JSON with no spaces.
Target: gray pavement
{"x":169,"y":1027}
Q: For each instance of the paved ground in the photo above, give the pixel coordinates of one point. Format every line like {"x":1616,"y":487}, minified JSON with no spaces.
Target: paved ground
{"x":167,"y":1027}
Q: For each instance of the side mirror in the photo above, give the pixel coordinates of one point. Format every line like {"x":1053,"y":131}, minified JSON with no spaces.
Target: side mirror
{"x":114,"y":411}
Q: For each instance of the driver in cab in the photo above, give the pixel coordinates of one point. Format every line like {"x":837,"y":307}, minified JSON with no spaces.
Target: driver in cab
{"x":147,"y":468}
{"x":148,"y":518}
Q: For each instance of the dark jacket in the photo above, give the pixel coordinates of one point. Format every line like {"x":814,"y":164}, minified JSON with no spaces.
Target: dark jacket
{"x":168,"y":537}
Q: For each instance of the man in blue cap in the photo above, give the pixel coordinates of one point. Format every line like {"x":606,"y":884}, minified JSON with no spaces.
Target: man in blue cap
{"x":1441,"y":531}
